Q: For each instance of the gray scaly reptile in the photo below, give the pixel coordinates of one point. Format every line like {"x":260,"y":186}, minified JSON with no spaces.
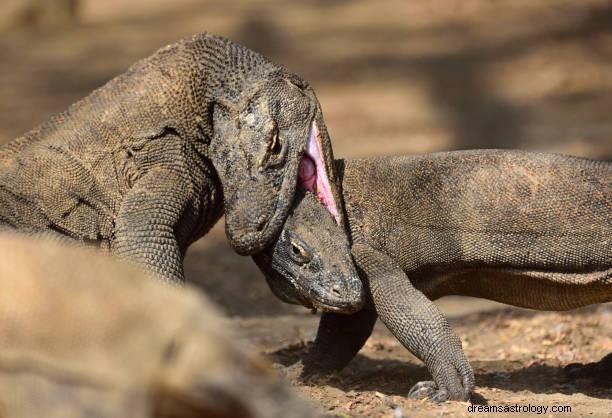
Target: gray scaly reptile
{"x":526,"y":229}
{"x":146,"y":164}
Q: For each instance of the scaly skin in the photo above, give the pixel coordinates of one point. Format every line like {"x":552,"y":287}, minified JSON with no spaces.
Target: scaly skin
{"x":300,"y":274}
{"x":146,"y":164}
{"x":526,"y":229}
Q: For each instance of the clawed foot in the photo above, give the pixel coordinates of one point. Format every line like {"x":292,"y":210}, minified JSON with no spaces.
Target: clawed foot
{"x":428,"y":389}
{"x":455,"y":383}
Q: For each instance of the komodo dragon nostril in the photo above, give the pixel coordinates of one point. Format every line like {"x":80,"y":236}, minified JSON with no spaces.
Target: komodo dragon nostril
{"x":336,"y":290}
{"x":261,"y":223}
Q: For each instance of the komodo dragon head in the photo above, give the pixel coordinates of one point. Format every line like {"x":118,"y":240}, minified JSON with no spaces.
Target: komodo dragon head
{"x":310,"y":264}
{"x":261,"y":143}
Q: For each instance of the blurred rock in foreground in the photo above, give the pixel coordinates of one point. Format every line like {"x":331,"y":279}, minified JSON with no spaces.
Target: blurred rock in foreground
{"x":82,"y":335}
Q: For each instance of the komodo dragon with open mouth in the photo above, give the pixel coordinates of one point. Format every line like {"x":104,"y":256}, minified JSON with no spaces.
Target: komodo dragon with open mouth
{"x":147,"y":164}
{"x":527,"y":229}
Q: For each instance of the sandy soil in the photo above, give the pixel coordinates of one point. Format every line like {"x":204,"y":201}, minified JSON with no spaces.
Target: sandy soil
{"x":393,"y":77}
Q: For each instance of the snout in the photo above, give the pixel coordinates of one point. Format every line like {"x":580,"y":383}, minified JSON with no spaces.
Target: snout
{"x":337,"y":295}
{"x":247,"y":238}
{"x":254,"y":216}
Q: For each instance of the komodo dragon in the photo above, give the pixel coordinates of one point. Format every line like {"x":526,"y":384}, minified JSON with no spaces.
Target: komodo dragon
{"x":83,"y":336}
{"x":526,"y":229}
{"x":146,"y":164}
{"x":298,"y":273}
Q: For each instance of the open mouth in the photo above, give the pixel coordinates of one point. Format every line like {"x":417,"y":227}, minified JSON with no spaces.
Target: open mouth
{"x":312,"y":173}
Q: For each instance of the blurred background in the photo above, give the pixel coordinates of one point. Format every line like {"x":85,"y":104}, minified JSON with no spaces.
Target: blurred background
{"x":393,"y":77}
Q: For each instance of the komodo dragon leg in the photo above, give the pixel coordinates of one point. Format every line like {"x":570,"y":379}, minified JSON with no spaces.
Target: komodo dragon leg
{"x":145,"y":227}
{"x":338,"y":340}
{"x":418,"y":324}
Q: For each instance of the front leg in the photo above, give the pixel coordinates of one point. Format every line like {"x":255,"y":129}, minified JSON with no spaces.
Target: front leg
{"x":148,"y":221}
{"x":339,"y":338}
{"x":418,"y":324}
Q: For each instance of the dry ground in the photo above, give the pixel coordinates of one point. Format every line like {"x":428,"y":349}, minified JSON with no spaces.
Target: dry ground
{"x":393,"y":77}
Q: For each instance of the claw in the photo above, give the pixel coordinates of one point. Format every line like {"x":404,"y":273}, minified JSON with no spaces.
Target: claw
{"x":440,"y":396}
{"x":423,"y":389}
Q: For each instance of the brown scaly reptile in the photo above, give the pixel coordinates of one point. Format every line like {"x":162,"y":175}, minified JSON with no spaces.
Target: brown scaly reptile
{"x":526,"y":229}
{"x":146,"y":164}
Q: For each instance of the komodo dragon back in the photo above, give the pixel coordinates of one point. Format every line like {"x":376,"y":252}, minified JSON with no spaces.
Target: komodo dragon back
{"x":147,"y":163}
{"x":466,"y":222}
{"x":485,"y":207}
{"x":82,"y":335}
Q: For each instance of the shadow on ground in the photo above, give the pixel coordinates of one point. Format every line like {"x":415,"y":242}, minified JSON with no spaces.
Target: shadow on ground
{"x":386,"y":367}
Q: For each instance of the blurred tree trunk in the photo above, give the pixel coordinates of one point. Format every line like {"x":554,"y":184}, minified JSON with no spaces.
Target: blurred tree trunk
{"x":25,"y":13}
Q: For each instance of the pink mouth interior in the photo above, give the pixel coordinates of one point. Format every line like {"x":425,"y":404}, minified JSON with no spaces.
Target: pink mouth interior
{"x":312,"y":175}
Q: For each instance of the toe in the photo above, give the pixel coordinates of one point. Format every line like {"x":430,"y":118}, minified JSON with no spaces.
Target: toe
{"x":440,"y":396}
{"x":423,"y":390}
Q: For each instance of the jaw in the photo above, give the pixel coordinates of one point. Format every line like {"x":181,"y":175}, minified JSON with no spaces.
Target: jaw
{"x":321,"y":303}
{"x":311,"y":296}
{"x":346,"y":309}
{"x":244,"y":232}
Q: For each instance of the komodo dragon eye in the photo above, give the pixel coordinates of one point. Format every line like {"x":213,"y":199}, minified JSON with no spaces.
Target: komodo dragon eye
{"x":276,"y":150}
{"x":299,"y":253}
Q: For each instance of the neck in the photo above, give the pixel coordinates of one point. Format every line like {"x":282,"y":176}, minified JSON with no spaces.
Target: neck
{"x":228,"y":74}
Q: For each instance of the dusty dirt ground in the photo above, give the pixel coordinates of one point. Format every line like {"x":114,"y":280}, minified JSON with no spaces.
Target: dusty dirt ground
{"x":393,"y":77}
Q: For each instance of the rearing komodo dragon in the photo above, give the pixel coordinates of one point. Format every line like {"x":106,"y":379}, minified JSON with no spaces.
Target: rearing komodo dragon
{"x":526,"y":229}
{"x":146,"y":164}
